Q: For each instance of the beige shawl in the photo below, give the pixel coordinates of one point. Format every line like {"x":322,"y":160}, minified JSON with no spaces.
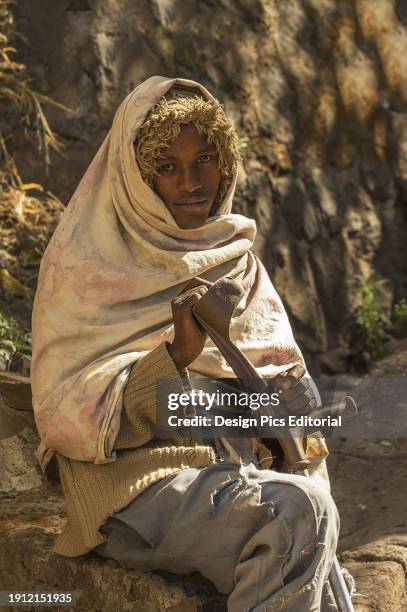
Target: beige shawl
{"x":107,"y":278}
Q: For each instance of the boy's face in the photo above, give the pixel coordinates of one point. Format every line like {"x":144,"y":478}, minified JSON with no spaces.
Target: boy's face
{"x":189,"y":178}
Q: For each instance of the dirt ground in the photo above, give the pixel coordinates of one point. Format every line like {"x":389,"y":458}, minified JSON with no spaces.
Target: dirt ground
{"x":369,"y":479}
{"x":369,"y":487}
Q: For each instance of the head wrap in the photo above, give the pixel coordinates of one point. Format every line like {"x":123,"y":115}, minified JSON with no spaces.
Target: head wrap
{"x":107,"y":278}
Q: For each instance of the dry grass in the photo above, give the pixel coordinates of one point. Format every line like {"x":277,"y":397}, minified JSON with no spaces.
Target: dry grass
{"x":28,"y":215}
{"x":16,"y":95}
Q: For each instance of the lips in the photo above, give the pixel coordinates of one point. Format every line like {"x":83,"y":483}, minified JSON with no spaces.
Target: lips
{"x":192,"y":205}
{"x":191,"y":201}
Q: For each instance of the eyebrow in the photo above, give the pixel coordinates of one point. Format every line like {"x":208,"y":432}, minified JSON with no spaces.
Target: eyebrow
{"x":208,"y":148}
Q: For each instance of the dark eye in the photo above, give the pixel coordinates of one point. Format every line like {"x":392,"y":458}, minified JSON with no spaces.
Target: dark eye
{"x":165,"y":168}
{"x":205,"y":158}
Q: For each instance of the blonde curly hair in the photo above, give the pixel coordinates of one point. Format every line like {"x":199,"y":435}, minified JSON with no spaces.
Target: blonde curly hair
{"x":182,"y":106}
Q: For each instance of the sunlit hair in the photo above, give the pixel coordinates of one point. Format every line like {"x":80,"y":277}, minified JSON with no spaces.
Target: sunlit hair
{"x":182,"y":106}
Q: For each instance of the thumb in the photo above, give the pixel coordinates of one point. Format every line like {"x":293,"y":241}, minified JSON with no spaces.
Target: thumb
{"x":297,"y":371}
{"x":290,"y":377}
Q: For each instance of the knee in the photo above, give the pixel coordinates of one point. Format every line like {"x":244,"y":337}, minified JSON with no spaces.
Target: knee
{"x":312,"y":504}
{"x":325,"y":512}
{"x":320,"y":498}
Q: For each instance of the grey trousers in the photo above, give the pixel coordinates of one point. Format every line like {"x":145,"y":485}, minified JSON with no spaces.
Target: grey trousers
{"x":265,"y":538}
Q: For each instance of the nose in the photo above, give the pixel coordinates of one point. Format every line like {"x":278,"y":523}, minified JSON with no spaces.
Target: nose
{"x":189,"y":179}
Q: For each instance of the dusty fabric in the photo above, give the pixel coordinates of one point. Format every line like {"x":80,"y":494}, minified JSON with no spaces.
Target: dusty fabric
{"x":269,"y":538}
{"x":107,"y":278}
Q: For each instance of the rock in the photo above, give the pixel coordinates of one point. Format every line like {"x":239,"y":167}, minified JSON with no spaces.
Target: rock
{"x":395,"y":346}
{"x":380,"y":569}
{"x":18,"y":465}
{"x":11,"y":423}
{"x":18,"y":435}
{"x":366,"y":477}
{"x":28,"y":525}
{"x":16,"y":411}
{"x":30,"y":521}
{"x":394,"y":364}
{"x":15,"y":388}
{"x":317,"y":94}
{"x":368,"y":484}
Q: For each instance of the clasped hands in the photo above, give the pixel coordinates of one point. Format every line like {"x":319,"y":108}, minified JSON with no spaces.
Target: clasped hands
{"x":189,"y":340}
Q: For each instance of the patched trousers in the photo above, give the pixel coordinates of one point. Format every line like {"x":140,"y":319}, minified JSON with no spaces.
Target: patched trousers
{"x":265,"y":538}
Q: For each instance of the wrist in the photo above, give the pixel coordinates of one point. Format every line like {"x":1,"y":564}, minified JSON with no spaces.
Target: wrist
{"x":176,"y":355}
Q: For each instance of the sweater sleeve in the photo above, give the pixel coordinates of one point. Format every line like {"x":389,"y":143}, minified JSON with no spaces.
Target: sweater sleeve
{"x":140,"y":401}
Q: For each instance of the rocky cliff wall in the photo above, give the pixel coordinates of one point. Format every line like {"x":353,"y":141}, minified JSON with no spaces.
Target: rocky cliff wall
{"x":317,"y":90}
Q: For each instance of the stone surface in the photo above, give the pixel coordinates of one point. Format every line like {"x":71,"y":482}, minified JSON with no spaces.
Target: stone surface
{"x":18,"y":466}
{"x":318,"y":95}
{"x":28,"y":524}
{"x":368,"y":484}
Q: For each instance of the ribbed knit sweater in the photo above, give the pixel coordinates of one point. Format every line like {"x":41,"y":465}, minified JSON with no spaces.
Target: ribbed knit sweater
{"x":93,"y":492}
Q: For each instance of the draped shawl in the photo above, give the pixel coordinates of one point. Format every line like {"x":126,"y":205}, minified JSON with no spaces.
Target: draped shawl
{"x":106,"y":281}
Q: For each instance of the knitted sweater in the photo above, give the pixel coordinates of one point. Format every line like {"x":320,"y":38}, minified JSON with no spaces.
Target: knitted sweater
{"x":93,"y":492}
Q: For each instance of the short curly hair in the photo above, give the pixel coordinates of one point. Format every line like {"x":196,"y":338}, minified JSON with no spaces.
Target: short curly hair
{"x":182,"y":106}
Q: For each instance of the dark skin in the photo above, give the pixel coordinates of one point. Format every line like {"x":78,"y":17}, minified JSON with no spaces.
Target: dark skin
{"x":189,"y":337}
{"x":189,"y":178}
{"x":188,"y":183}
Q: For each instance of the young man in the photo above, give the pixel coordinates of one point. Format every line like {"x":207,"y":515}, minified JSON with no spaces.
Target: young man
{"x":113,"y":317}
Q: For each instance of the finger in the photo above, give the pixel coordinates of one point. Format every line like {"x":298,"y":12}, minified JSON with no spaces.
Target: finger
{"x":297,"y":388}
{"x":279,"y":380}
{"x":298,"y":391}
{"x":196,"y":282}
{"x":284,"y":383}
{"x":194,"y":294}
{"x":301,"y":405}
{"x":290,"y":394}
{"x":203,"y":281}
{"x":185,"y":307}
{"x":297,"y":371}
{"x":197,"y":291}
{"x":288,"y":379}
